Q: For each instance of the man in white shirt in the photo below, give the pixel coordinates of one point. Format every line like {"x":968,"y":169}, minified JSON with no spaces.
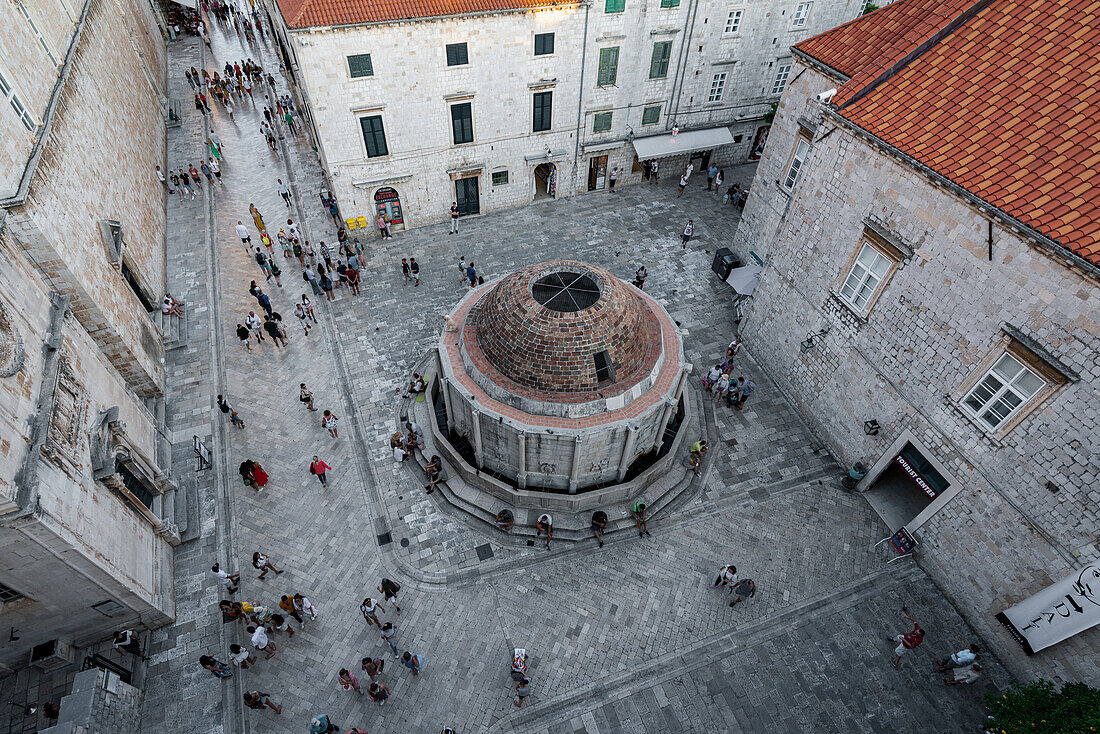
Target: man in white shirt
{"x":228,"y":580}
{"x":960,"y":659}
{"x":242,"y":232}
{"x":256,"y":324}
{"x":260,"y":641}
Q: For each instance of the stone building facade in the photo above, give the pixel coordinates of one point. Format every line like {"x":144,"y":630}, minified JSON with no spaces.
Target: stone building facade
{"x":87,"y":501}
{"x":496,"y":108}
{"x":932,"y":321}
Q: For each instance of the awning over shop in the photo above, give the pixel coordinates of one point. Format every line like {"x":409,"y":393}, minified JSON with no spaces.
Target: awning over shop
{"x":744,"y":279}
{"x":664,"y":145}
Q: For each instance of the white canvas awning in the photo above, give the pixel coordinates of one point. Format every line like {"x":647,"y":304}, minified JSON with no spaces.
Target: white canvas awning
{"x":744,"y":279}
{"x":664,"y":145}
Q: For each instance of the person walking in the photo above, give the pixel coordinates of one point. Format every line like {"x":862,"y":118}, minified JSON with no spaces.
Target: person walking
{"x":745,"y":391}
{"x":302,"y":603}
{"x":454,"y":217}
{"x":909,"y":641}
{"x":638,"y":512}
{"x":284,"y":191}
{"x":612,"y":178}
{"x":414,"y":270}
{"x":286,"y":603}
{"x":389,"y":591}
{"x":207,"y":171}
{"x":257,"y":218}
{"x":175,"y":179}
{"x":726,"y":575}
{"x":328,"y":422}
{"x":224,"y":406}
{"x":405,"y":273}
{"x":387,"y":633}
{"x":599,"y":525}
{"x":653,"y":167}
{"x":311,"y":277}
{"x":370,"y":608}
{"x":348,"y":681}
{"x":545,"y":524}
{"x":745,"y":589}
{"x":352,"y":275}
{"x":258,"y":700}
{"x":680,"y":188}
{"x":279,"y":623}
{"x":126,"y":642}
{"x":318,"y":468}
{"x":378,"y":692}
{"x":263,"y":564}
{"x":260,"y":640}
{"x":261,"y":260}
{"x":373,"y":667}
{"x":228,"y":580}
{"x":523,"y":690}
{"x":256,"y":324}
{"x":689,"y":230}
{"x":471,"y":275}
{"x":718,"y":179}
{"x":242,"y":232}
{"x":240,"y":657}
{"x":712,"y":174}
{"x":303,"y":319}
{"x":215,"y":169}
{"x":185,"y":182}
{"x":245,"y":336}
{"x":304,"y":395}
{"x":308,"y":307}
{"x":462,"y":270}
{"x":275,"y":331}
{"x":217,"y":667}
{"x":413,"y":662}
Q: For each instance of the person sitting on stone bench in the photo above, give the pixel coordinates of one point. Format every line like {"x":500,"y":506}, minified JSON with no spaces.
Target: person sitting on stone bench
{"x":414,"y":437}
{"x":416,"y":386}
{"x":599,"y":524}
{"x":434,"y":470}
{"x":504,"y":520}
{"x":170,"y":306}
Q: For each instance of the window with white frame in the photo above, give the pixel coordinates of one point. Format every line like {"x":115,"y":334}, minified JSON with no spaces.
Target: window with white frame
{"x":8,"y":92}
{"x":801,"y":149}
{"x":717,"y":87}
{"x":37,"y":34}
{"x":866,"y":275}
{"x":998,"y":395}
{"x":781,"y":75}
{"x":801,"y":15}
{"x":733,"y":21}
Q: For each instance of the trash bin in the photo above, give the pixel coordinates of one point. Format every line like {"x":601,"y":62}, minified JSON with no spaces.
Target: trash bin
{"x":724,"y":262}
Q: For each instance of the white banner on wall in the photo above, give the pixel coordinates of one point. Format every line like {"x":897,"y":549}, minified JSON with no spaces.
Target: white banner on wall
{"x":1057,"y":612}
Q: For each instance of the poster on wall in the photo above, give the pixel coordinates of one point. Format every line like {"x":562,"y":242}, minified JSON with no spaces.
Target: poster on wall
{"x":1058,"y":612}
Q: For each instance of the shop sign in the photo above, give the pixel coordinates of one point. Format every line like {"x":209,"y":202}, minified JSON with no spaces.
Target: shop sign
{"x":1057,"y":612}
{"x":915,"y":475}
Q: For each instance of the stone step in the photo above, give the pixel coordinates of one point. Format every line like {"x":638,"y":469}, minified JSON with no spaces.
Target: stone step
{"x":173,"y":329}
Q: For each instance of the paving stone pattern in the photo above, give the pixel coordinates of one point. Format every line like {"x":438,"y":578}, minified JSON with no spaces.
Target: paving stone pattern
{"x":624,"y":638}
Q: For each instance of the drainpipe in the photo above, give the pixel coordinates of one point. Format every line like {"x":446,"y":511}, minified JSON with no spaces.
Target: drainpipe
{"x":522,"y":476}
{"x":681,"y":62}
{"x":574,"y":471}
{"x":580,"y":102}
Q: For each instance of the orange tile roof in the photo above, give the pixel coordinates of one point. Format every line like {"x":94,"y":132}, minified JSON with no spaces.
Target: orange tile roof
{"x":326,"y":13}
{"x":1000,"y":99}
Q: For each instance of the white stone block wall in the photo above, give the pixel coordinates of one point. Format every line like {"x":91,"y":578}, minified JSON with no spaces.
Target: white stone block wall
{"x":938,"y":317}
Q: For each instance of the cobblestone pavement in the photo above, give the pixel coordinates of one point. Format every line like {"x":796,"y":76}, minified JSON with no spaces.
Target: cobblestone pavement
{"x":624,"y":638}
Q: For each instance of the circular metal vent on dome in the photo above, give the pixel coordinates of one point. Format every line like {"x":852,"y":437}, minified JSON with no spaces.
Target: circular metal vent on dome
{"x":566,"y":292}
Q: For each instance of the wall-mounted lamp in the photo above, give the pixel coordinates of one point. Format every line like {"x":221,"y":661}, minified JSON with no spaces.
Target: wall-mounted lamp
{"x":871,"y":427}
{"x":808,"y":343}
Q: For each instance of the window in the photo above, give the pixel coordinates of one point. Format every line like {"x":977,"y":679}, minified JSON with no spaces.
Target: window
{"x":669,"y":3}
{"x":374,"y":136}
{"x":457,"y":54}
{"x":614,"y":6}
{"x":658,"y":66}
{"x":134,"y":485}
{"x":1002,"y":390}
{"x":8,"y":594}
{"x":604,"y":369}
{"x":135,"y":286}
{"x":462,"y":123}
{"x":21,"y":112}
{"x":109,"y":608}
{"x":801,"y":14}
{"x":500,"y":178}
{"x":544,"y":44}
{"x":609,"y":67}
{"x":543,"y":111}
{"x":601,"y":122}
{"x":733,"y":22}
{"x":651,"y":115}
{"x":359,"y":65}
{"x":37,"y":34}
{"x":801,"y":148}
{"x":868,"y":271}
{"x":781,"y":77}
{"x":717,"y":87}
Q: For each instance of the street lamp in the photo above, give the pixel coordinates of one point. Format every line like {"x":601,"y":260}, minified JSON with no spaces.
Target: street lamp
{"x":871,"y":427}
{"x":808,"y":343}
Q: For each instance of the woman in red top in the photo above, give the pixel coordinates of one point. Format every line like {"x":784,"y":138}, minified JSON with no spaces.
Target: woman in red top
{"x":259,"y":476}
{"x":319,"y":468}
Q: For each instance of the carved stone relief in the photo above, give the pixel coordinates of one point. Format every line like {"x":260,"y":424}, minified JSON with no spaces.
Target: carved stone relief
{"x":64,"y":444}
{"x":11,"y":346}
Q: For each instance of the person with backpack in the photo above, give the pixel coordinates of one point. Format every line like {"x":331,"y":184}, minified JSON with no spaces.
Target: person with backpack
{"x":322,"y":725}
{"x":389,"y":590}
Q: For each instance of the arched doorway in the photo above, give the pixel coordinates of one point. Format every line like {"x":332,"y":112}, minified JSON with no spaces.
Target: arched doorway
{"x":546,"y":181}
{"x":387,"y":202}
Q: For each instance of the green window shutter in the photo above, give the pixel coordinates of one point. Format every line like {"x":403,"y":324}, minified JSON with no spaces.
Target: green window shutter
{"x":658,"y":67}
{"x":457,"y":55}
{"x":601,"y":122}
{"x":543,"y":117}
{"x":374,"y":136}
{"x":462,"y":123}
{"x":669,"y":3}
{"x":609,"y":66}
{"x":500,"y":178}
{"x":614,"y":6}
{"x":544,"y":44}
{"x":359,"y":65}
{"x":651,"y":115}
